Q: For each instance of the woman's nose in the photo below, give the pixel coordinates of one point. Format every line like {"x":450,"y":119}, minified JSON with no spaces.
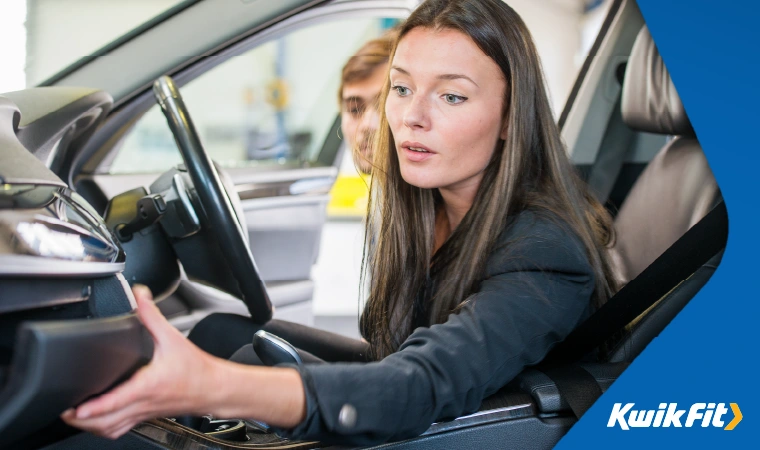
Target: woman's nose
{"x":417,"y":113}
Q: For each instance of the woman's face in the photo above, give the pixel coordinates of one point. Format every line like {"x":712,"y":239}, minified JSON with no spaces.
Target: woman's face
{"x":359,"y":117}
{"x":444,"y":109}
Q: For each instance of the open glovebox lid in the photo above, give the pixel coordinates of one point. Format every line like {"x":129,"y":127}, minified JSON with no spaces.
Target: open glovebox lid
{"x":59,"y":364}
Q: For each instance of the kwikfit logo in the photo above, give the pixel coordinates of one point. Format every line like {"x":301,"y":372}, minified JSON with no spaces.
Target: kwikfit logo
{"x":668,"y":415}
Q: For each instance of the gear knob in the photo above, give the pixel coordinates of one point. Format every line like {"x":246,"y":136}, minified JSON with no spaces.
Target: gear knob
{"x":273,"y":350}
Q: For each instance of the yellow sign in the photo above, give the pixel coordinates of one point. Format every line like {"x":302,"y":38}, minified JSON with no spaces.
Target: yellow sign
{"x":277,"y":94}
{"x":349,"y":197}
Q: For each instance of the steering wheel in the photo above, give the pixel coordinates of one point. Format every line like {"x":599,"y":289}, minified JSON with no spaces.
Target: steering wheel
{"x":215,"y":201}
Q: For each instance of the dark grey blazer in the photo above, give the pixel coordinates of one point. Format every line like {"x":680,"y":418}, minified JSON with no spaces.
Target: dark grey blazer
{"x":537,"y":288}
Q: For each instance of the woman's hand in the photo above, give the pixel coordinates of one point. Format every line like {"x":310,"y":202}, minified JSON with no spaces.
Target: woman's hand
{"x":177,"y":380}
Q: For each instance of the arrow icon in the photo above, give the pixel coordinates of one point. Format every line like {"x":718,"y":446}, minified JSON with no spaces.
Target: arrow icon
{"x":737,"y":417}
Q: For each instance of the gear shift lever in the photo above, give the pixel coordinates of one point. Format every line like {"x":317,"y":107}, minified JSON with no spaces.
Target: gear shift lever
{"x":273,"y":350}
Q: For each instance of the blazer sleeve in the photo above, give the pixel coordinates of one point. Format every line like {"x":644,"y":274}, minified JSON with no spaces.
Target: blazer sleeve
{"x":538,"y":290}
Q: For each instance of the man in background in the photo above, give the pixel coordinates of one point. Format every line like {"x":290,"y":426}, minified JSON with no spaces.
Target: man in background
{"x":362,"y":80}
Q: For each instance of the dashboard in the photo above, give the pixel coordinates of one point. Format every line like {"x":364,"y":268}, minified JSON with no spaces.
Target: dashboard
{"x":67,"y":331}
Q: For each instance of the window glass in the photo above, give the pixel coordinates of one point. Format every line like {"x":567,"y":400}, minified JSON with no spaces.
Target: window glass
{"x":272,"y":106}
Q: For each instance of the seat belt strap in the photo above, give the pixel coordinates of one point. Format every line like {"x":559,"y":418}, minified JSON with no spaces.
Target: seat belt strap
{"x":576,"y":386}
{"x":695,"y":248}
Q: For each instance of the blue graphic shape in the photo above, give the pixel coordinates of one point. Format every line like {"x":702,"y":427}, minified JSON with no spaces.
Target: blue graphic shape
{"x":709,"y":352}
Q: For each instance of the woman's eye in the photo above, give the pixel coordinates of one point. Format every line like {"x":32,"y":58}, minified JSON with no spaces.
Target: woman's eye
{"x":454,"y":99}
{"x":401,"y":90}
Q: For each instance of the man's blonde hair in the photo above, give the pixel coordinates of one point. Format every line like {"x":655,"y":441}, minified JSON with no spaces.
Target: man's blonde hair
{"x":363,"y":63}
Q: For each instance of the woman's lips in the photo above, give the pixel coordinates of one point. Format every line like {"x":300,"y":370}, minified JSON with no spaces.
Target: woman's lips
{"x":416,"y":152}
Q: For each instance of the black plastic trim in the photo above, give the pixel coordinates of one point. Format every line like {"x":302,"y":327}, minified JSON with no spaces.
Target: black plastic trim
{"x":59,"y":364}
{"x":525,"y":433}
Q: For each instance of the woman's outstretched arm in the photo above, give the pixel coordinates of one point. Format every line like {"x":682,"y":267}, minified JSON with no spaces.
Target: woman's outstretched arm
{"x":538,"y":287}
{"x":182,"y":379}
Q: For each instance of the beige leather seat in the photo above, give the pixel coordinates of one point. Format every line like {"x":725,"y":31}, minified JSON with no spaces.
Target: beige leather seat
{"x":677,"y":188}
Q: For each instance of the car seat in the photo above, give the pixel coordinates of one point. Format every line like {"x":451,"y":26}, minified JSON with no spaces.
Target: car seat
{"x":677,"y":188}
{"x":674,"y":192}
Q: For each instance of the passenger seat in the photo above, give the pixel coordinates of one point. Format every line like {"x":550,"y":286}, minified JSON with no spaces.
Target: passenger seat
{"x":677,"y":188}
{"x":674,"y":192}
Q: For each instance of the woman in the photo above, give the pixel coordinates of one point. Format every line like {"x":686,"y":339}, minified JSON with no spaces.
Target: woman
{"x":486,"y":250}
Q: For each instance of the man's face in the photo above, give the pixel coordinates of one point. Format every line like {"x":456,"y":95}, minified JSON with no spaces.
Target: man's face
{"x":360,"y":118}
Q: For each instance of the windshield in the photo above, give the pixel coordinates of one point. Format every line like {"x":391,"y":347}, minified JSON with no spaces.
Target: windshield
{"x":51,"y":35}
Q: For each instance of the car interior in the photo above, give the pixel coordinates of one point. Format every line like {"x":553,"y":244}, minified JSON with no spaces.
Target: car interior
{"x":206,"y":238}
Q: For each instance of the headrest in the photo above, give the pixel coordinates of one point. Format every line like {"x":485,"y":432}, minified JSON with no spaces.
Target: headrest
{"x":650,"y":101}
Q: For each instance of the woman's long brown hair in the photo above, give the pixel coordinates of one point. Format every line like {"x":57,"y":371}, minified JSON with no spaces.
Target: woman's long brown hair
{"x":530,"y":169}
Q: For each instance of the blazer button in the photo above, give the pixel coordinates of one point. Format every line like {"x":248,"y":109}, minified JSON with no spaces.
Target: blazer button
{"x":347,"y":416}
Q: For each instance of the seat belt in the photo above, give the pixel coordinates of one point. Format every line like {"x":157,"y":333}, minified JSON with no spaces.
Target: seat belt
{"x":576,"y":386}
{"x":690,"y":252}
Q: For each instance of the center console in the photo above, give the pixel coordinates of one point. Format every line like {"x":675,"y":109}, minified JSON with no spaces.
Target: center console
{"x":205,"y":433}
{"x":505,"y":417}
